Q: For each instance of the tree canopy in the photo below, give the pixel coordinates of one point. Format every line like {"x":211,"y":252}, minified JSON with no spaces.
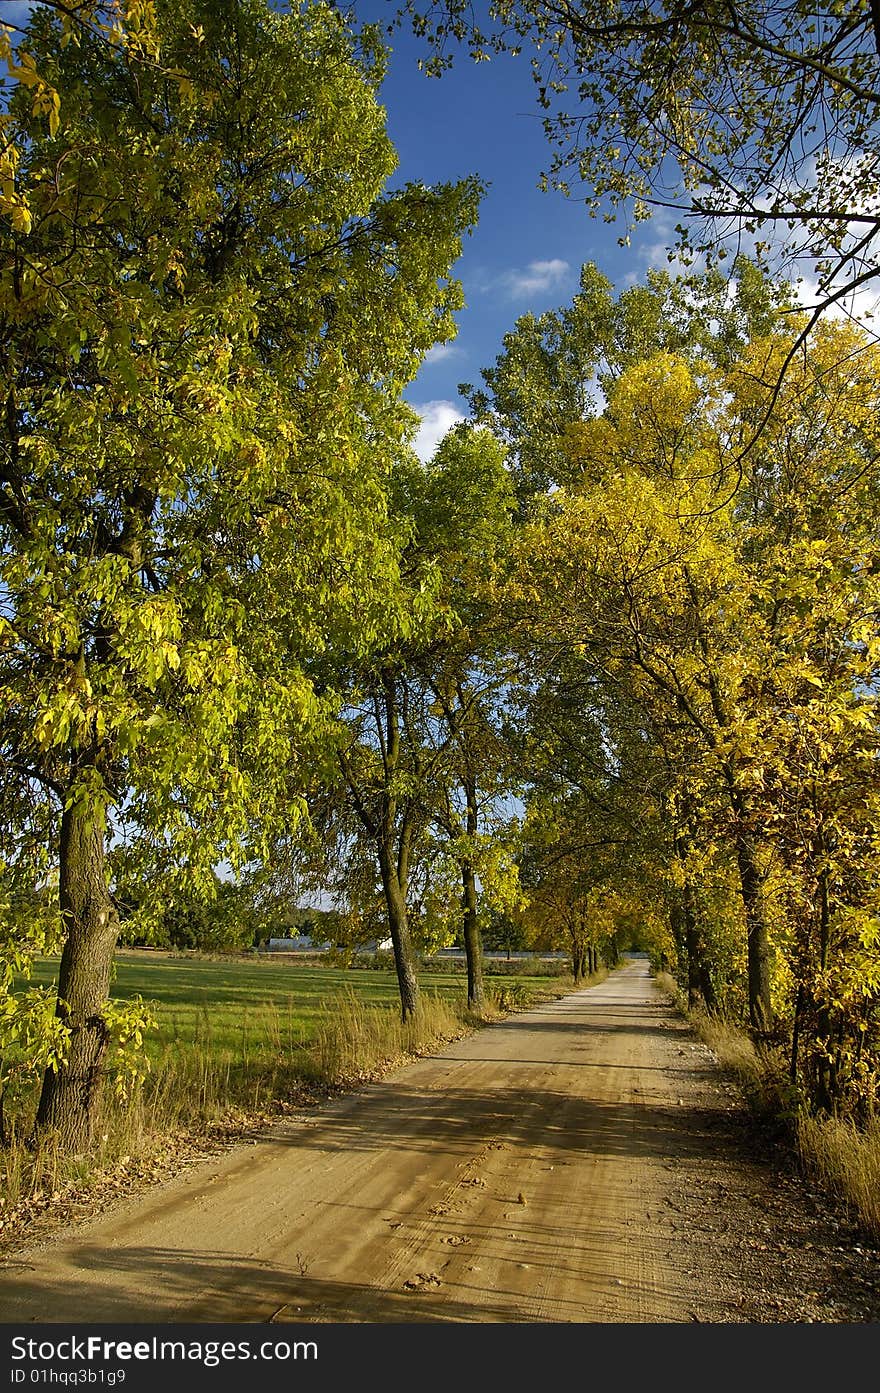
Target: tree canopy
{"x":205,"y":328}
{"x":604,"y":670}
{"x":755,"y":120}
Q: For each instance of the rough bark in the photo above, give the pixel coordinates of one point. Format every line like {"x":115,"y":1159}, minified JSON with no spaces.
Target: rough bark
{"x":686,"y":922}
{"x":757,"y":936}
{"x":398,"y":923}
{"x":826,"y":1072}
{"x":71,"y":1093}
{"x":473,"y":947}
{"x":578,"y":948}
{"x":701,"y":993}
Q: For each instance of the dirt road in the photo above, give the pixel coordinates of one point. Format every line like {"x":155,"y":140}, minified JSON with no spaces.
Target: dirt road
{"x":574,"y":1163}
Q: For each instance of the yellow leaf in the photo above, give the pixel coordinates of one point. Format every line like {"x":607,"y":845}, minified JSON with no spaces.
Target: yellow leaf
{"x":20,"y":216}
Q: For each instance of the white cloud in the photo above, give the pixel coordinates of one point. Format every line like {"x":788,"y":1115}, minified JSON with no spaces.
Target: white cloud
{"x":437,"y":418}
{"x":861,"y":305}
{"x":441,"y":353}
{"x":538,"y":277}
{"x":651,"y":245}
{"x":850,"y":181}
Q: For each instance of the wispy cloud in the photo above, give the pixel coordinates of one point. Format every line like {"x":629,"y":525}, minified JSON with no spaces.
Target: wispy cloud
{"x":861,"y":305}
{"x":442,"y":353}
{"x":651,"y":248}
{"x":437,"y":418}
{"x":537,"y":278}
{"x":851,"y":181}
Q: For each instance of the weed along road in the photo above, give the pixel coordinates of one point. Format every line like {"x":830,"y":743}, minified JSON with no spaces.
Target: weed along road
{"x":568,"y":1164}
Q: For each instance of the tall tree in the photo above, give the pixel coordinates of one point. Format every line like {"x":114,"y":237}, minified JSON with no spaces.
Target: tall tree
{"x":637,"y":470}
{"x":464,"y":510}
{"x":204,"y":331}
{"x":656,"y":598}
{"x":408,"y":713}
{"x":809,"y":519}
{"x":736,"y":608}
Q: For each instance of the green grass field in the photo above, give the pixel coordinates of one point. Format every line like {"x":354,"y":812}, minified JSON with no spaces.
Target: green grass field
{"x":236,"y":1002}
{"x":242,"y":1032}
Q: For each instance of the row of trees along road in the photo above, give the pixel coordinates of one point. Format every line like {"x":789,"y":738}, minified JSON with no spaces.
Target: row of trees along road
{"x":607,"y":666}
{"x":207,"y":317}
{"x":699,"y":585}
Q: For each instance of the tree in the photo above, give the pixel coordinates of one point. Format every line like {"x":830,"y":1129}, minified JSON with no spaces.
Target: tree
{"x":555,"y":368}
{"x":809,"y":517}
{"x":464,"y":510}
{"x":418,"y":752}
{"x":734,"y":605}
{"x":127,"y":25}
{"x":383,"y":764}
{"x":657,"y":600}
{"x":754,"y":119}
{"x":204,"y":332}
{"x":594,"y":839}
{"x":623,"y":555}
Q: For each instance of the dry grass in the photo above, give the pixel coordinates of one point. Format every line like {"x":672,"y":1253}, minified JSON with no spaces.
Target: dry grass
{"x":356,"y":1040}
{"x":846,"y":1163}
{"x":669,"y":987}
{"x":759,"y":1072}
{"x":734,"y":1049}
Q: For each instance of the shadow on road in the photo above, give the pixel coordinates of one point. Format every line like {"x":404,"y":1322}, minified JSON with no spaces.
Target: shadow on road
{"x":252,"y":1292}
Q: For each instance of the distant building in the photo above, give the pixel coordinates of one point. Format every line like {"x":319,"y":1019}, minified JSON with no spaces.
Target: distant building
{"x":300,"y":943}
{"x":304,"y":943}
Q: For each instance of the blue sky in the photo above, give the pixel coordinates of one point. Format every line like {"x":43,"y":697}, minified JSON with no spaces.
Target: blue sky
{"x":528,"y":247}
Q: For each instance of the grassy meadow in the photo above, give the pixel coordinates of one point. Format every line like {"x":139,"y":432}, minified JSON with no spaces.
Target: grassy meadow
{"x":245,"y":1014}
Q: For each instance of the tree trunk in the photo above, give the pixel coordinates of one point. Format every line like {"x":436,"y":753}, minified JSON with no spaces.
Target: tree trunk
{"x":473,"y":948}
{"x":796,"y":1035}
{"x":825,"y":1072}
{"x":676,"y":928}
{"x":398,"y":923}
{"x":757,"y":937}
{"x":701,"y":993}
{"x":71,"y":1093}
{"x":686,"y":924}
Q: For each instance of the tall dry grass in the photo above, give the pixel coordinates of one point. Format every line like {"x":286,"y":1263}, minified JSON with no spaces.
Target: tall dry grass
{"x":356,"y":1040}
{"x":845,"y":1161}
{"x":842,"y":1159}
